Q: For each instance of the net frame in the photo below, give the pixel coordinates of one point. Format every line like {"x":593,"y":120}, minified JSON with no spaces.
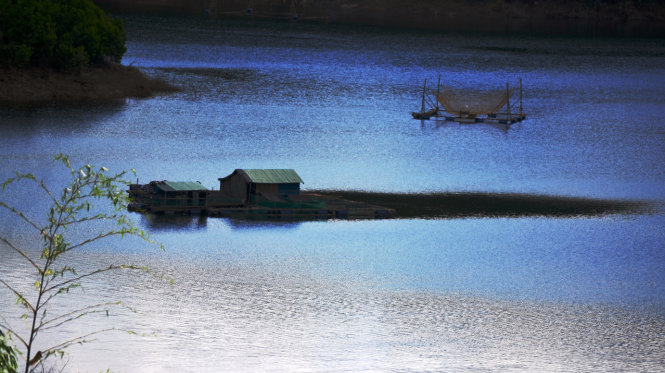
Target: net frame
{"x":472,"y":103}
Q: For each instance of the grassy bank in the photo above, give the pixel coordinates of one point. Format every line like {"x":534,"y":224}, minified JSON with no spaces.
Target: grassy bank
{"x":460,"y":205}
{"x":35,"y":86}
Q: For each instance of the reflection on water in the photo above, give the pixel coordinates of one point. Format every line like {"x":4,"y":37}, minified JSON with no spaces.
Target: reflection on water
{"x":157,"y":223}
{"x":580,"y":292}
{"x":249,"y":224}
{"x":434,"y":124}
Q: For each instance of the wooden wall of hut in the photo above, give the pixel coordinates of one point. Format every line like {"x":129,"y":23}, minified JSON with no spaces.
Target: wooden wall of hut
{"x":235,"y":186}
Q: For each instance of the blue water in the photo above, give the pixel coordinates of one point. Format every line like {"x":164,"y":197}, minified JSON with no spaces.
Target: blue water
{"x":333,"y":103}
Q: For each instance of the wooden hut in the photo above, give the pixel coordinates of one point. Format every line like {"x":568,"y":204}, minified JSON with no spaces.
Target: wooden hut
{"x":253,"y":185}
{"x":178,"y":195}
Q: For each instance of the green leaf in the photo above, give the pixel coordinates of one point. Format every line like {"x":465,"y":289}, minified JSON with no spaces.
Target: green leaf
{"x":8,"y":356}
{"x":7,"y":182}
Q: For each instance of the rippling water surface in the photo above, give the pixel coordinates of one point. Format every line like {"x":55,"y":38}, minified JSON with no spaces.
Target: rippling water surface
{"x":332,"y":102}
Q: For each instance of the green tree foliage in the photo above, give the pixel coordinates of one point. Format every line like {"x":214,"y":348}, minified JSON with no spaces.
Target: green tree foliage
{"x":62,"y":34}
{"x":55,"y":275}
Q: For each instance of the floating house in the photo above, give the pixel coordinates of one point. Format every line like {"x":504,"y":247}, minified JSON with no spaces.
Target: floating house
{"x":169,"y":196}
{"x":252,"y":185}
{"x":249,"y":193}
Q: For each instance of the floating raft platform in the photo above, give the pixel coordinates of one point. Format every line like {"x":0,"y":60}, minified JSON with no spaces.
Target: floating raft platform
{"x":490,"y":119}
{"x":331,"y":212}
{"x":191,"y":198}
{"x":330,"y":208}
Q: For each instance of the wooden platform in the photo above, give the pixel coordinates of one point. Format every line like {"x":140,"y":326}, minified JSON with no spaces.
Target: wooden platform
{"x":490,"y":119}
{"x":259,"y":213}
{"x":306,"y":206}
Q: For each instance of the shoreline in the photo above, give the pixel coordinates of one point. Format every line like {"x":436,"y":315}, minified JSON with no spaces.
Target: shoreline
{"x":113,"y":82}
{"x":630,"y":18}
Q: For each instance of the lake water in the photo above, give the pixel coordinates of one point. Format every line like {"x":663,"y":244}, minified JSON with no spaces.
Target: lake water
{"x":333,"y":102}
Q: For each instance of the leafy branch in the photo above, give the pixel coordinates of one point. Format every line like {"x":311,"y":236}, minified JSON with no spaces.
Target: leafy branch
{"x":72,"y":206}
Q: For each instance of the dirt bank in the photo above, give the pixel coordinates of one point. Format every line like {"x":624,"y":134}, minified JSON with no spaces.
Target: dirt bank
{"x":577,"y":17}
{"x":93,"y":84}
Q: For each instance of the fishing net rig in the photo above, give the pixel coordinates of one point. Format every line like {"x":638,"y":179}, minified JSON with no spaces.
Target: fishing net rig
{"x":469,"y":104}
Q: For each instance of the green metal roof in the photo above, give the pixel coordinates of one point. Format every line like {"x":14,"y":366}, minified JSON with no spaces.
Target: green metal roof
{"x":272,"y":176}
{"x":180,"y":186}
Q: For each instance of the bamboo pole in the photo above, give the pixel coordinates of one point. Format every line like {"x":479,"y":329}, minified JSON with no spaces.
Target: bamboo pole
{"x":436,"y":99}
{"x":422,"y":104}
{"x":521,"y":110}
{"x":508,"y":97}
{"x":429,"y":101}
